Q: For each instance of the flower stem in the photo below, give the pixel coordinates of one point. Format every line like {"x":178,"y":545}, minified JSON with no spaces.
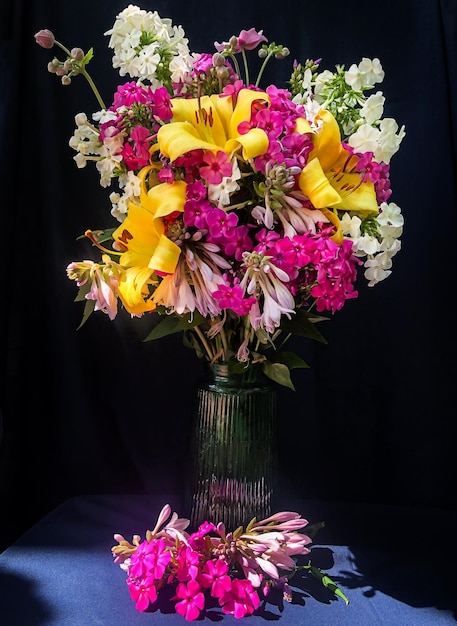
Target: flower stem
{"x":262,"y":68}
{"x":85,"y":73}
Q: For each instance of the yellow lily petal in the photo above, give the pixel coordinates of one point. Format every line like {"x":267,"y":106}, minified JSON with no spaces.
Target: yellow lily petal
{"x":356,"y":196}
{"x":167,"y":198}
{"x":133,"y":290}
{"x":242,"y":111}
{"x":138,"y":236}
{"x":327,"y":142}
{"x":211,"y":123}
{"x":334,"y":219}
{"x":177,"y":138}
{"x":302,"y":126}
{"x":254,"y":143}
{"x":315,"y":185}
{"x":165,"y":257}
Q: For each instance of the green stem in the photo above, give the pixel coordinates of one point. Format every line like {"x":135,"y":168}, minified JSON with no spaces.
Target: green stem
{"x":85,"y":73}
{"x":235,"y":63}
{"x":94,"y":89}
{"x":204,"y":341}
{"x":246,"y":68}
{"x":262,"y":68}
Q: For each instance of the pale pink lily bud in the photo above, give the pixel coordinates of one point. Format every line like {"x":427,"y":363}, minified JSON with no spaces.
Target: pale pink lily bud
{"x":163,"y":516}
{"x":45,"y":38}
{"x":283,"y":516}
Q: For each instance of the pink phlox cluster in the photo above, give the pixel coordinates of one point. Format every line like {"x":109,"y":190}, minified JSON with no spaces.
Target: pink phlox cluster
{"x":235,"y":569}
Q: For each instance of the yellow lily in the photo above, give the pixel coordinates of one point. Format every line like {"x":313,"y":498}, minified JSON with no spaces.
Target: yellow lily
{"x":324,"y":180}
{"x":146,"y":247}
{"x":211,"y":123}
{"x":134,"y":292}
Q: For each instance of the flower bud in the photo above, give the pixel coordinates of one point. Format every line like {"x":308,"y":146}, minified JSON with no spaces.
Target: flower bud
{"x":77,"y":54}
{"x":66,"y":80}
{"x":218,"y":59}
{"x":45,"y":38}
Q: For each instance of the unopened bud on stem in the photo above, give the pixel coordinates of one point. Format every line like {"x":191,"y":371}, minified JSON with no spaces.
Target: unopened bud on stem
{"x":45,"y":38}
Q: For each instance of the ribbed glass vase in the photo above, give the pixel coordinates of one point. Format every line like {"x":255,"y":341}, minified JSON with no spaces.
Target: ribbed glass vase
{"x":233,"y":448}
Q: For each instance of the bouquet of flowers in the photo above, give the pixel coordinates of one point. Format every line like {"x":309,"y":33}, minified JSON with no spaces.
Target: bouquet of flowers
{"x":234,"y":570}
{"x":242,"y":214}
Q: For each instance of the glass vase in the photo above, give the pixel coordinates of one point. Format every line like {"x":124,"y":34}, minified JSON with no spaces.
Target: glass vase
{"x":233,"y":448}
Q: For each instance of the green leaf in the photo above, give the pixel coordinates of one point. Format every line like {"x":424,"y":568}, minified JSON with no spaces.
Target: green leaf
{"x":290,"y":359}
{"x":88,"y":310}
{"x":278,"y":372}
{"x":171,"y":324}
{"x":328,"y":582}
{"x":303,"y":324}
{"x":89,"y":55}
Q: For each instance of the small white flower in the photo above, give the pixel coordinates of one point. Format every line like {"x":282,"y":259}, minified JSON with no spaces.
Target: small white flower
{"x":373,"y":108}
{"x":365,"y":139}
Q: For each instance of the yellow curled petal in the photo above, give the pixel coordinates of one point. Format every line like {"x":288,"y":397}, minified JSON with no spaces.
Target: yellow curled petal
{"x":134,"y":291}
{"x":242,"y":111}
{"x":327,"y":142}
{"x":334,"y":219}
{"x":254,"y":143}
{"x":315,"y":185}
{"x":302,"y":126}
{"x":167,"y":198}
{"x":180,"y":137}
{"x":165,"y":257}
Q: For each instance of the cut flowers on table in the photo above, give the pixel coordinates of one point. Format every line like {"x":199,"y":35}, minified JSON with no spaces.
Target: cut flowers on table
{"x":242,"y":214}
{"x":212,"y":567}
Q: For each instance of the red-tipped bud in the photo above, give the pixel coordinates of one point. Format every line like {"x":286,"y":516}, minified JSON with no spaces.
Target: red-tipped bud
{"x":45,"y":38}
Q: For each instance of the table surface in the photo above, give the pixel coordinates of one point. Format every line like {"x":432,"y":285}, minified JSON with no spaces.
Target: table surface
{"x":394,"y":564}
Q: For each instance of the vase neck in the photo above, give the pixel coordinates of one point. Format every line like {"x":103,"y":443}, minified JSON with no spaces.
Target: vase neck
{"x":219,"y":373}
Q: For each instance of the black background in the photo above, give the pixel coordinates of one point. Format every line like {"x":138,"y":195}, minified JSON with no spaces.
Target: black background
{"x":98,"y":410}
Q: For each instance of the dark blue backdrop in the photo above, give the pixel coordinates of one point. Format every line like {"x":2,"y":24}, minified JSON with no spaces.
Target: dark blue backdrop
{"x":100,"y":411}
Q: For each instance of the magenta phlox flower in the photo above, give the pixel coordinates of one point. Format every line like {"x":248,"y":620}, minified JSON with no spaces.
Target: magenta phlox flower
{"x":382,"y":185}
{"x":136,"y":154}
{"x":128,"y":93}
{"x":144,"y":559}
{"x":196,"y":213}
{"x":215,"y":577}
{"x":196,"y":190}
{"x":232,"y":298}
{"x":266,"y":238}
{"x":241,"y":600}
{"x":297,"y":148}
{"x":202,"y":64}
{"x":221,"y":224}
{"x":269,"y":121}
{"x":189,"y":563}
{"x":166,"y":175}
{"x":191,"y":600}
{"x":238,"y":243}
{"x":216,"y":167}
{"x":233,"y":90}
{"x":143,"y":591}
{"x":336,"y":275}
{"x":161,"y":104}
{"x":273,"y":153}
{"x":284,"y":255}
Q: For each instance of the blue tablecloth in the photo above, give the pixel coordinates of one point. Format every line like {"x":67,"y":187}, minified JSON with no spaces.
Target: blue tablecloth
{"x":395,"y":565}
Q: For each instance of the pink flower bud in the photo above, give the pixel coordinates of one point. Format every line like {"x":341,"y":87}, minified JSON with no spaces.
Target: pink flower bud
{"x":45,"y":38}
